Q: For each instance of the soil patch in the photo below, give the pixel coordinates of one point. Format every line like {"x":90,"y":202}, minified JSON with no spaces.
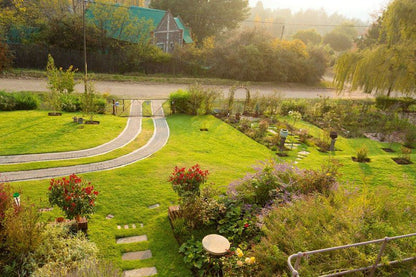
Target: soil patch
{"x":401,"y":161}
{"x":388,"y":150}
{"x":366,"y":160}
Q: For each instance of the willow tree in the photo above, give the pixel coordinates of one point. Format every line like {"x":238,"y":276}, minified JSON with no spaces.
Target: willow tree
{"x":388,"y":63}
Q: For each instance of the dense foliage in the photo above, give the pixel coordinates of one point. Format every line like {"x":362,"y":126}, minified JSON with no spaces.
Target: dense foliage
{"x":29,"y":247}
{"x":238,"y":216}
{"x":73,"y":195}
{"x":253,"y":55}
{"x":195,"y":100}
{"x":385,"y":63}
{"x":206,"y":18}
{"x":317,"y":222}
{"x":18,"y":101}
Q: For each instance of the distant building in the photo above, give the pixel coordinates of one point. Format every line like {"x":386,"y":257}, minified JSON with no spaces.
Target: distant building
{"x":168,"y":31}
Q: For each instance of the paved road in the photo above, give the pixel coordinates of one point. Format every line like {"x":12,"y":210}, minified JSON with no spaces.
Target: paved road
{"x":158,"y":140}
{"x":133,"y":128}
{"x":162,"y":91}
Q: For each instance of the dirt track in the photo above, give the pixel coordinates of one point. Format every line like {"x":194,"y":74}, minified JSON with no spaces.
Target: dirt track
{"x":162,"y":91}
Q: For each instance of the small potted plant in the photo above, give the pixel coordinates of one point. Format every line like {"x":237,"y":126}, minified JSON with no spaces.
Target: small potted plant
{"x":75,"y":197}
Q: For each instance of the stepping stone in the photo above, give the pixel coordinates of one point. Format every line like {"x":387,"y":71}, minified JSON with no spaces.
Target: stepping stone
{"x":131,"y":239}
{"x":110,"y":216}
{"x":119,"y":227}
{"x":126,"y":226}
{"x":133,"y":226}
{"x":45,"y":210}
{"x":298,"y":158}
{"x":139,"y":255}
{"x":295,"y":162}
{"x":141,"y":225}
{"x":154,"y":206}
{"x":305,"y":153}
{"x":145,"y":271}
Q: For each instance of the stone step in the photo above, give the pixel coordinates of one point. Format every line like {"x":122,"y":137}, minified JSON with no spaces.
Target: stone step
{"x":127,"y":226}
{"x":154,"y":206}
{"x":131,"y":239}
{"x":138,"y":255}
{"x":145,"y":271}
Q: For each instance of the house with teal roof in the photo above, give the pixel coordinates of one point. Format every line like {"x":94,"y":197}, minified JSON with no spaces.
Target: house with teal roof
{"x":167,"y":31}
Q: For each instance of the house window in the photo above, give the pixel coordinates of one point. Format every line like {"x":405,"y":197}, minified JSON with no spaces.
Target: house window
{"x":161,"y":45}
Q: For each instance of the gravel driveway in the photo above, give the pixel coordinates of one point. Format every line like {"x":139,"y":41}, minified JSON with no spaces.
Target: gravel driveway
{"x":162,"y":91}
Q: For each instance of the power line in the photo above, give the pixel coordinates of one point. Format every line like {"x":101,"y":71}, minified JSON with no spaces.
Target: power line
{"x":307,"y":24}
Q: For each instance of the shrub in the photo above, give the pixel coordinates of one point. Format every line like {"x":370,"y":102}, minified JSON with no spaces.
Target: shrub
{"x":100,"y":105}
{"x":318,"y":221}
{"x":292,"y":105}
{"x":186,"y":182}
{"x":410,"y":137}
{"x":60,"y":252}
{"x":394,"y":103}
{"x":406,"y":152}
{"x":278,"y":182}
{"x":20,"y":235}
{"x":239,"y":223}
{"x":70,"y":103}
{"x":5,"y":56}
{"x":362,"y":154}
{"x":179,"y":101}
{"x":238,"y":263}
{"x":18,"y":101}
{"x":197,"y":259}
{"x":74,"y":196}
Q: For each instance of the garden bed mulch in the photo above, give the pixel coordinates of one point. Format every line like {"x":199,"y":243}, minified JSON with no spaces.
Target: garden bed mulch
{"x":402,"y":161}
{"x":388,"y":150}
{"x":366,"y":160}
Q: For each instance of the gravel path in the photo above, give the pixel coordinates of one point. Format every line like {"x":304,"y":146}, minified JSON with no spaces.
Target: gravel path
{"x":158,"y":140}
{"x":133,"y":128}
{"x":162,"y":91}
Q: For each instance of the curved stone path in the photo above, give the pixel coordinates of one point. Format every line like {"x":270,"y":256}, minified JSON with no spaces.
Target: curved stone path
{"x":132,"y":129}
{"x":157,"y":141}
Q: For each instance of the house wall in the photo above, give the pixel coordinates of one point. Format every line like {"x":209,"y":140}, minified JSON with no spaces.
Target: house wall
{"x":167,"y":35}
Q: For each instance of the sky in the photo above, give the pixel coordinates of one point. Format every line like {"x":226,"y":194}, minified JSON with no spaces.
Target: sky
{"x":361,"y":9}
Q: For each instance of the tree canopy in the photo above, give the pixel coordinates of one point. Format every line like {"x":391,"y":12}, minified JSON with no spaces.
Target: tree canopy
{"x":206,"y":18}
{"x":386,"y":59}
{"x":310,"y":36}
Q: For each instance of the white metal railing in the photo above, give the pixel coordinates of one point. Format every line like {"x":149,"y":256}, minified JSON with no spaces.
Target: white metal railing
{"x":371,"y":268}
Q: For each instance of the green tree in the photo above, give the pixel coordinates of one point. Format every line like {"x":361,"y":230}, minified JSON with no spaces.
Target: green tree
{"x":389,"y":64}
{"x":206,"y":18}
{"x":309,"y":37}
{"x":338,"y":41}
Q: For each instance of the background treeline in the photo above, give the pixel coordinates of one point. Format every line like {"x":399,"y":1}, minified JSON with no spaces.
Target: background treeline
{"x":252,"y":53}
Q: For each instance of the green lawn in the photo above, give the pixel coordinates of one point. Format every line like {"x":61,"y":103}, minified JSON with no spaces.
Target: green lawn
{"x":139,"y":141}
{"x":127,"y":192}
{"x":156,"y":78}
{"x":381,"y":170}
{"x":24,"y":132}
{"x":147,"y":109}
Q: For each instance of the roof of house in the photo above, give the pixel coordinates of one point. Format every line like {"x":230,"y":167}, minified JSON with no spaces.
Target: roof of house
{"x":154,"y":15}
{"x":186,"y":33}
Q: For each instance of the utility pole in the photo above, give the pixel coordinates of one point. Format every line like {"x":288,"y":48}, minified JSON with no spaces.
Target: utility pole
{"x":283,"y":31}
{"x":85,"y":47}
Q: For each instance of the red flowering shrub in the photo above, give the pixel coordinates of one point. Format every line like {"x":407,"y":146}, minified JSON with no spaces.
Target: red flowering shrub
{"x":186,"y":182}
{"x":5,"y":199}
{"x":74,"y":196}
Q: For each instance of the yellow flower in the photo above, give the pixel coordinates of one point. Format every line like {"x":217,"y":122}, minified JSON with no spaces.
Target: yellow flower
{"x":239,"y":263}
{"x":328,"y":174}
{"x":239,"y":253}
{"x":251,"y":260}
